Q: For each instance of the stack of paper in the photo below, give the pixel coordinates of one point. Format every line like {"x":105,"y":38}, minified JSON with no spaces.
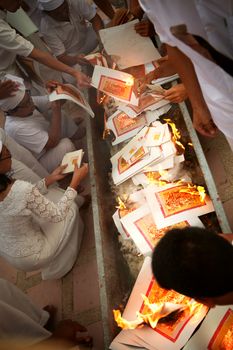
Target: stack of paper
{"x":72,"y":159}
{"x":169,"y":335}
{"x":124,"y":127}
{"x":150,"y":145}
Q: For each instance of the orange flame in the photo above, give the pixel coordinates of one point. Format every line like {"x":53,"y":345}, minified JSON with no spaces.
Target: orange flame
{"x":121,"y":203}
{"x":176,"y":133}
{"x":129,"y":81}
{"x":153,"y":178}
{"x":195,"y":190}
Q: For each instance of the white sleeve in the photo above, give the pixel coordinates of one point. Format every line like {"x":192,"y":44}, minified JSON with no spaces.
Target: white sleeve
{"x":10,"y":41}
{"x":44,"y":208}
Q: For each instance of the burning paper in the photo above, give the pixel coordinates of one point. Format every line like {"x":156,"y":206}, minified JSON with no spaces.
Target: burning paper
{"x":171,"y":332}
{"x":72,"y":159}
{"x":114,"y":83}
{"x":71,"y":93}
{"x":140,"y":226}
{"x":175,"y":202}
{"x":216,"y":332}
{"x":148,"y":102}
{"x":127,"y":47}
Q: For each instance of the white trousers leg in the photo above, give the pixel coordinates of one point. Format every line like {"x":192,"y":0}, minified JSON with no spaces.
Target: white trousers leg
{"x":53,"y":157}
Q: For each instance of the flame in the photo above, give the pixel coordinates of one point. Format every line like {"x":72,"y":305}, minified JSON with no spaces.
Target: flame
{"x":121,"y":204}
{"x":123,"y":323}
{"x":176,"y":133}
{"x":153,"y":178}
{"x":195,"y":190}
{"x":129,"y":81}
{"x":190,"y":144}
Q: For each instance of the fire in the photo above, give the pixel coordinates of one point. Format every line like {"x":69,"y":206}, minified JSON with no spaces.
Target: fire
{"x":121,"y":205}
{"x":195,"y":190}
{"x":153,"y":178}
{"x":176,"y":133}
{"x":190,"y":144}
{"x":129,"y":81}
{"x":123,"y":323}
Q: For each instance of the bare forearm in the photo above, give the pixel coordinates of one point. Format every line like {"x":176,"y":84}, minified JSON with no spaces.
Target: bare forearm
{"x":97,"y":24}
{"x":185,"y":69}
{"x":55,"y":128}
{"x":105,"y":7}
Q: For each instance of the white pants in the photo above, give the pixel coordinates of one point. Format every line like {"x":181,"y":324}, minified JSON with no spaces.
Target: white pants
{"x":22,"y":155}
{"x":53,"y":157}
{"x":20,"y":317}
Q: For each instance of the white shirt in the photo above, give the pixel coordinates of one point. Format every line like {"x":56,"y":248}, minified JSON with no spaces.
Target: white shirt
{"x":216,"y":84}
{"x":11,"y":45}
{"x":70,"y":37}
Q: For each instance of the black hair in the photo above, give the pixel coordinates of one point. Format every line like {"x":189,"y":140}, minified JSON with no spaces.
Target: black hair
{"x":194,"y":262}
{"x":4,"y":182}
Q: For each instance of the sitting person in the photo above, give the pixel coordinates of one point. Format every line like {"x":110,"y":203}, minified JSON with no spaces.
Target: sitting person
{"x":65,"y":28}
{"x":37,"y":233}
{"x":197,"y":263}
{"x":48,"y":140}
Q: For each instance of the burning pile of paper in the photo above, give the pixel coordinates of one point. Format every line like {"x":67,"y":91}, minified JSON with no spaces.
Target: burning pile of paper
{"x":152,"y":145}
{"x":159,"y":320}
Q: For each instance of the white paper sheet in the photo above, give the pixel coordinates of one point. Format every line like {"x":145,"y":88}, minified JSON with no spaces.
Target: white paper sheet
{"x":115,"y":83}
{"x":127,"y":47}
{"x":167,"y":208}
{"x":213,"y":330}
{"x":71,"y":93}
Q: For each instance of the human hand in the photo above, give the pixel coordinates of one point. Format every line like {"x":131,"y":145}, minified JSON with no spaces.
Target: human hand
{"x":176,"y":94}
{"x":82,"y":60}
{"x":56,"y":175}
{"x":8,"y":88}
{"x":68,"y":329}
{"x":78,"y":175}
{"x":82,"y":79}
{"x":145,"y":28}
{"x":203,"y":122}
{"x":51,"y":85}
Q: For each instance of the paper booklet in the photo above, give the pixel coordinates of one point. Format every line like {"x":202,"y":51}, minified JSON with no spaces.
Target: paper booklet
{"x":126,"y":47}
{"x":72,"y":159}
{"x":115,"y":83}
{"x":173,"y":202}
{"x":169,"y":334}
{"x":216,"y":331}
{"x":140,"y":226}
{"x":71,"y":93}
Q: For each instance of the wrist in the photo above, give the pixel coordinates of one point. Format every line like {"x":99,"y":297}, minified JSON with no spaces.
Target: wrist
{"x":49,"y":180}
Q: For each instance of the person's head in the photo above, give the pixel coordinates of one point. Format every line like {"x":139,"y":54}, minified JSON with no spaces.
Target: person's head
{"x":19,"y":104}
{"x":197,"y":263}
{"x":57,"y":9}
{"x":10,"y":5}
{"x":5,"y":167}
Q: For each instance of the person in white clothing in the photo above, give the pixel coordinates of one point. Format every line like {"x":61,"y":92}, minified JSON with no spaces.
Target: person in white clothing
{"x":13,"y":44}
{"x":36,"y":232}
{"x":209,"y":83}
{"x":70,"y":28}
{"x":23,"y":323}
{"x":48,"y":140}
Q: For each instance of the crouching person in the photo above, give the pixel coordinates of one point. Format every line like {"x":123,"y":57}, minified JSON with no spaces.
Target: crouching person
{"x":197,"y":263}
{"x":48,"y":140}
{"x":36,"y":232}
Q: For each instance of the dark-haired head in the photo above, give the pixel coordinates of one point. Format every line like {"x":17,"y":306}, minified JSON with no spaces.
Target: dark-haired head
{"x":4,"y":182}
{"x":194,"y":262}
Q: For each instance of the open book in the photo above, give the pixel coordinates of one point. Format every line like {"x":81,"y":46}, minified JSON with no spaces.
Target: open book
{"x":72,"y":159}
{"x":71,"y":93}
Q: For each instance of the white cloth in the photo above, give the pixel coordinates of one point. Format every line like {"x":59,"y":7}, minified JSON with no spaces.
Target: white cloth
{"x":12,"y":101}
{"x":11,"y":44}
{"x":74,"y":37}
{"x":48,"y":234}
{"x":49,"y":5}
{"x":24,"y":165}
{"x":216,"y":84}
{"x":20,"y":317}
{"x":32,"y":133}
{"x":34,"y":12}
